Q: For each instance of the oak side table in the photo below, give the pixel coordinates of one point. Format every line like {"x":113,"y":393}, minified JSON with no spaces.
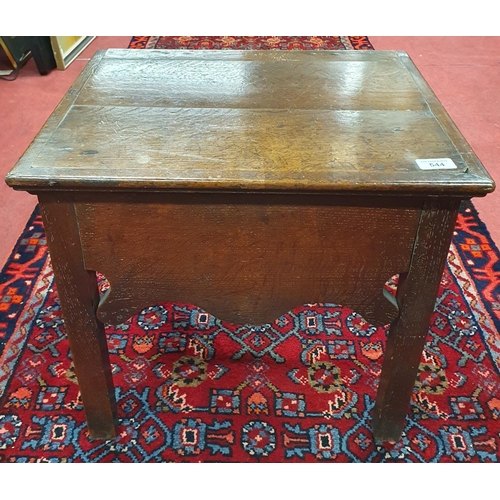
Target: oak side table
{"x":249,"y":183}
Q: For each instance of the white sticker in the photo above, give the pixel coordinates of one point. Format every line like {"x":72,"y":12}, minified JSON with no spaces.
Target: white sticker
{"x":436,"y":164}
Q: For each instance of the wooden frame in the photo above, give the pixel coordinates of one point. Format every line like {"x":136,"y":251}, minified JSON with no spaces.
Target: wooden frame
{"x":67,"y":48}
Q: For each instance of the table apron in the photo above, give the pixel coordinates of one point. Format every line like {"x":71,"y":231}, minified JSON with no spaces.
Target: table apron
{"x":246,"y":259}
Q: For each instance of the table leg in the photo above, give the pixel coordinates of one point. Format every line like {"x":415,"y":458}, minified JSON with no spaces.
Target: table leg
{"x":79,"y":297}
{"x":416,"y":297}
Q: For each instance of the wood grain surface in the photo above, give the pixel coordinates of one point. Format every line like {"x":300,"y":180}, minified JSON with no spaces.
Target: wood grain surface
{"x":79,"y":298}
{"x":246,"y":259}
{"x":407,"y":335}
{"x":250,"y":120}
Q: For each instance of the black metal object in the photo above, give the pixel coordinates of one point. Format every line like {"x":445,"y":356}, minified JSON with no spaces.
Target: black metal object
{"x":40,"y":48}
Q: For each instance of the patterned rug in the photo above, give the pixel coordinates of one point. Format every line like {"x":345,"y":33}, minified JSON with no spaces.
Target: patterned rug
{"x":252,"y":42}
{"x":191,"y":388}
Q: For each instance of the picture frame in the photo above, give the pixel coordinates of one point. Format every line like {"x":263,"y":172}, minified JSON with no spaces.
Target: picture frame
{"x":67,"y":48}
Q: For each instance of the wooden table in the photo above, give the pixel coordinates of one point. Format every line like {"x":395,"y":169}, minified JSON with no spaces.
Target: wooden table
{"x":248,"y":183}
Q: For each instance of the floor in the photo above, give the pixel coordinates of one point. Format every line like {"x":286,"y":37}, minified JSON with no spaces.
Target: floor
{"x":464,"y":72}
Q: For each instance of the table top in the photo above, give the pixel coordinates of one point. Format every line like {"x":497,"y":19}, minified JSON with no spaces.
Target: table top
{"x":304,"y":121}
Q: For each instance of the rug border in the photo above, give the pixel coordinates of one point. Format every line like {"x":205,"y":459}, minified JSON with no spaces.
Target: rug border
{"x":483,"y":229}
{"x":34,"y":214}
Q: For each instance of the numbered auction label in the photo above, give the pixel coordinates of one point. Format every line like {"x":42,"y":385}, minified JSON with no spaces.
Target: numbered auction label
{"x":436,"y":164}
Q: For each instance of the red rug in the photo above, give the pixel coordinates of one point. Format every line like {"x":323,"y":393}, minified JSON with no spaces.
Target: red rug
{"x":192,"y":388}
{"x":252,"y":42}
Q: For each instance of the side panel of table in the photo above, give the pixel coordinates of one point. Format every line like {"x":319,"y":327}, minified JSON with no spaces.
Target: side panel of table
{"x":247,"y":258}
